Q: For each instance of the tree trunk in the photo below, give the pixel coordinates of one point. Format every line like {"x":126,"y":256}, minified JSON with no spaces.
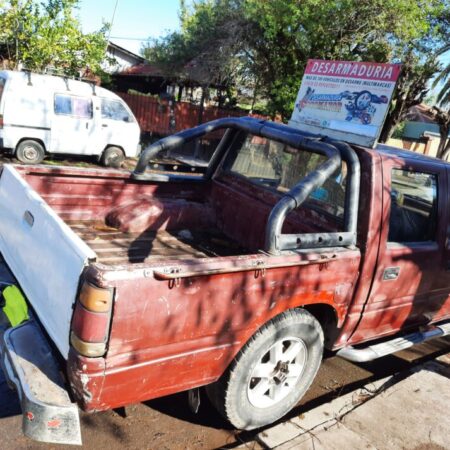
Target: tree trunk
{"x":444,"y":146}
{"x":255,"y":93}
{"x":392,"y":120}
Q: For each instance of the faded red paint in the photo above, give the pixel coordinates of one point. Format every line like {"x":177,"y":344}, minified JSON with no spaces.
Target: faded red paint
{"x":171,"y":335}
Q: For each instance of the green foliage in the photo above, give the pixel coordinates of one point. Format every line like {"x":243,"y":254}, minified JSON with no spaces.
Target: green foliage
{"x":207,"y":46}
{"x":265,"y":45}
{"x":46,"y":35}
{"x":399,"y":130}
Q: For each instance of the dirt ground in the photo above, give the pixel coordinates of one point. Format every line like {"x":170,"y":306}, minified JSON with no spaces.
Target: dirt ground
{"x":167,"y":423}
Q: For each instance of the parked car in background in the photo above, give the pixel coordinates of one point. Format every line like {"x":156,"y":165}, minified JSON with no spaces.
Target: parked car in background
{"x":45,"y":114}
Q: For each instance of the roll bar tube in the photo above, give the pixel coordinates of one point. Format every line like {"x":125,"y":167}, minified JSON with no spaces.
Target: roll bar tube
{"x":334,"y":151}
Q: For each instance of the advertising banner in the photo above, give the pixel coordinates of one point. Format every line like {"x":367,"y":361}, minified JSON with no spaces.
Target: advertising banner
{"x":345,"y":100}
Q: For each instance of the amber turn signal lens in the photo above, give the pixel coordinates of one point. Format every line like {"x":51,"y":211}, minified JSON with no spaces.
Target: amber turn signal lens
{"x":95,"y":299}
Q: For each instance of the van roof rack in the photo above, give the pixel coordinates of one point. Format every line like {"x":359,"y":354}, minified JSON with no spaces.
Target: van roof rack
{"x":54,"y":72}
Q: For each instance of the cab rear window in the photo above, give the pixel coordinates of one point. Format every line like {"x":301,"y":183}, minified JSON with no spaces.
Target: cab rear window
{"x":279,"y":167}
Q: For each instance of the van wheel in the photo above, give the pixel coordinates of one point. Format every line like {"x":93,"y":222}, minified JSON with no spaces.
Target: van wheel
{"x":112,"y":157}
{"x":271,"y":373}
{"x":30,"y":152}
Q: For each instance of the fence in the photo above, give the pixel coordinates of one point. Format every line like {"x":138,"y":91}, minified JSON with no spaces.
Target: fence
{"x":154,"y":117}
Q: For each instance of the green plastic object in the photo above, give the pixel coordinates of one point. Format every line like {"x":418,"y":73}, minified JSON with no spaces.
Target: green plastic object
{"x":16,"y":308}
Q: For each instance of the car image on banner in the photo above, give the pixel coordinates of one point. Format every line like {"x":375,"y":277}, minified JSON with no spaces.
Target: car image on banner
{"x":347,"y":100}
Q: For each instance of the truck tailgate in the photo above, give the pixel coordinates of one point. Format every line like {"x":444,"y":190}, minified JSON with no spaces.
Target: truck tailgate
{"x":44,"y":254}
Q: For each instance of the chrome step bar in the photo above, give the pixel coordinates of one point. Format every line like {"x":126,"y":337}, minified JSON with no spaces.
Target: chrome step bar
{"x":394,"y":345}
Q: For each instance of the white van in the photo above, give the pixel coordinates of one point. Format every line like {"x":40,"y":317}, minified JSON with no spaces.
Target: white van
{"x":44,"y":114}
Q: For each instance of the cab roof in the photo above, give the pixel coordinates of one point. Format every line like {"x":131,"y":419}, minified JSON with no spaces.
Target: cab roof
{"x":407,"y":154}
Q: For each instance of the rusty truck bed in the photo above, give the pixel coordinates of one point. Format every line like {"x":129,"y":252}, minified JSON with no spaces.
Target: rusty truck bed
{"x":113,"y":246}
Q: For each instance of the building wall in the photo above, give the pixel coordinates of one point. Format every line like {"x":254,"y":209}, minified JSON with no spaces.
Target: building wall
{"x":415,"y":130}
{"x":427,"y":145}
{"x":123,"y":60}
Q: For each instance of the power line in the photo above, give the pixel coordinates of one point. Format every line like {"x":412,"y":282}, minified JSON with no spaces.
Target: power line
{"x":112,"y":20}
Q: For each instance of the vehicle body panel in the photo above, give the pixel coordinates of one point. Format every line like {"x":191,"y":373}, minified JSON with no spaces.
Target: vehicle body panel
{"x":31,"y":231}
{"x":417,"y":296}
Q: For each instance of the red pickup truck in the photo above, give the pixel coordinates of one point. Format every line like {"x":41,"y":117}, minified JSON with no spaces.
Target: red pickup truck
{"x":232,"y":275}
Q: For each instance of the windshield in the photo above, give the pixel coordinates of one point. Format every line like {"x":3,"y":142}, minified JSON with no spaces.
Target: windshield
{"x":279,"y":167}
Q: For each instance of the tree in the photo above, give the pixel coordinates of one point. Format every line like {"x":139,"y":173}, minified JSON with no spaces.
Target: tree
{"x":289,"y":32}
{"x":412,"y":88}
{"x":39,"y":36}
{"x":442,"y":118}
{"x":207,"y":46}
{"x":269,"y":43}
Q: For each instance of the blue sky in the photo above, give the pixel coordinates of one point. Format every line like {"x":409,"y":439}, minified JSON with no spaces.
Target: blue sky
{"x":135,"y":19}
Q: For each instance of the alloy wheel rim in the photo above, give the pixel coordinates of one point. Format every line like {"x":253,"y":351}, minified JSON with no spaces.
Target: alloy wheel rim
{"x":277,"y":372}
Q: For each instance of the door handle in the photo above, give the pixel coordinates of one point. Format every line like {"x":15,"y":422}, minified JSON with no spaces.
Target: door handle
{"x":391,"y":273}
{"x":104,"y":125}
{"x":87,"y":125}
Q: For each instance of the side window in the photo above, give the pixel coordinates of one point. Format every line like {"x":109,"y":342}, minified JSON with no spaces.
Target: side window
{"x":413,"y":206}
{"x":112,"y":109}
{"x":70,"y":105}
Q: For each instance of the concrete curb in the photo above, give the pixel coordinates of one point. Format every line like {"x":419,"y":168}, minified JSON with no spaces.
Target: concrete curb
{"x":394,"y":412}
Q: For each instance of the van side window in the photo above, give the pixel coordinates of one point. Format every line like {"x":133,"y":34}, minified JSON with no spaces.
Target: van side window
{"x":112,"y":109}
{"x":70,"y":105}
{"x":413,"y":206}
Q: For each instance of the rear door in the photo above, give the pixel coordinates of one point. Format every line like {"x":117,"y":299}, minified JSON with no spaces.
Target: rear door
{"x":407,"y":289}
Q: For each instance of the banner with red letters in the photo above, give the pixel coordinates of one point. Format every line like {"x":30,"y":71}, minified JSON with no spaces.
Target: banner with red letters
{"x":345,"y":100}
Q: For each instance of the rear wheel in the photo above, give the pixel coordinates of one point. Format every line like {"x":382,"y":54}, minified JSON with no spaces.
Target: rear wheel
{"x":112,"y":157}
{"x":30,"y":152}
{"x":272,"y":372}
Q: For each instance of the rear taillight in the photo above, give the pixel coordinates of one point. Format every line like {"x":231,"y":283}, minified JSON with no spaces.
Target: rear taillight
{"x":1,"y":120}
{"x":91,"y":319}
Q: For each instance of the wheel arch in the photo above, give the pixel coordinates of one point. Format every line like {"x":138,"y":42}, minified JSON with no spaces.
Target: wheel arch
{"x":327,"y":316}
{"x":324,"y":313}
{"x":114,"y":145}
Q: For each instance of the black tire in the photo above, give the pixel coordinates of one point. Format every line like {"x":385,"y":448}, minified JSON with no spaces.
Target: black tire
{"x":30,"y":152}
{"x":112,"y":157}
{"x":232,"y":393}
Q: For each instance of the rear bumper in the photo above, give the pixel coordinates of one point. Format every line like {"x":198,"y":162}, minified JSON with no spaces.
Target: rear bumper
{"x":30,"y":368}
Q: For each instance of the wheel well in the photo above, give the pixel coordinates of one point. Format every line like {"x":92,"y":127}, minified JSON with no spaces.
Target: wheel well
{"x":30,"y":139}
{"x":327,"y":317}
